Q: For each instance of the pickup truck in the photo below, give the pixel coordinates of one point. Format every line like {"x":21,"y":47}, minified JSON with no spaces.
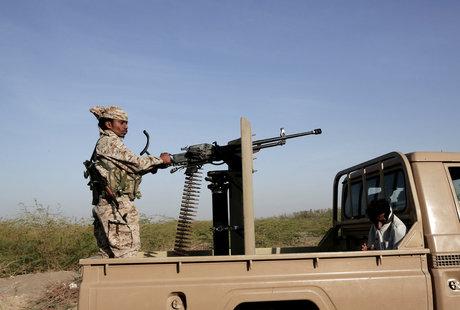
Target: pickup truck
{"x":423,"y":189}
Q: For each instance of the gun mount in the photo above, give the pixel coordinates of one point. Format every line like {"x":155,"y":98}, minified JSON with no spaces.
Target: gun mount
{"x":233,"y":227}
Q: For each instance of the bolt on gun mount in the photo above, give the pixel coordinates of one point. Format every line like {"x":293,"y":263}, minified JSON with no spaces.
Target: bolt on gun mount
{"x":192,"y":160}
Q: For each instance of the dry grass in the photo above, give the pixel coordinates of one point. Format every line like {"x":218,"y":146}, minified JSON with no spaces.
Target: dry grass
{"x":298,"y":229}
{"x":41,"y":241}
{"x":59,"y":296}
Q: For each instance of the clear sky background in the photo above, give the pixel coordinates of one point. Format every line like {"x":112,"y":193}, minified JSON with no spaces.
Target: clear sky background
{"x":376,"y":76}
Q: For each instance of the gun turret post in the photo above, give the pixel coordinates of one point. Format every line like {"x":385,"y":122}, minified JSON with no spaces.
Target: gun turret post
{"x":242,"y":239}
{"x":219,"y":189}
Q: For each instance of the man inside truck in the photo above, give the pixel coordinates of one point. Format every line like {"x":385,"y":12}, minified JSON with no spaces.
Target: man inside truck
{"x":387,"y":230}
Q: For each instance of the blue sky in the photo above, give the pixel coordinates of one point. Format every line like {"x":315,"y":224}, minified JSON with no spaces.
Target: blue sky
{"x":376,"y":76}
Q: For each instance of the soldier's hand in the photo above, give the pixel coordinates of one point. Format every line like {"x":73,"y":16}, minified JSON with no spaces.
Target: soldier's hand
{"x":166,"y":157}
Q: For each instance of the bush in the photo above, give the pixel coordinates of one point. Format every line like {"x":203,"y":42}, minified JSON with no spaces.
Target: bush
{"x":40,"y":241}
{"x":299,"y":229}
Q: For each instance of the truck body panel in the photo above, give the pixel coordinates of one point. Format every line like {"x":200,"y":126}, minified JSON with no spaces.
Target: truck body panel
{"x":439,"y":204}
{"x":329,"y":281}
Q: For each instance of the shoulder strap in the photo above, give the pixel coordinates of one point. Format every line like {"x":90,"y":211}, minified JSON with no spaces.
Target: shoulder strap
{"x":93,"y":155}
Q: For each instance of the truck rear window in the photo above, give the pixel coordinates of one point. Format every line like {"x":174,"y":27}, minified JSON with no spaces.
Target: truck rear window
{"x":455,"y":175}
{"x":393,"y":189}
{"x":352,"y":203}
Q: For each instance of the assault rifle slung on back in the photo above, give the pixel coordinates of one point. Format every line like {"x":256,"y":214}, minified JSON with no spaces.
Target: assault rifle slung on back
{"x":195,"y":156}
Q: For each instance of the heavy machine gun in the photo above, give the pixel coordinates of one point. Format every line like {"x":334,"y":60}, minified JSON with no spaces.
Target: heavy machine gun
{"x":195,"y":156}
{"x":233,"y":230}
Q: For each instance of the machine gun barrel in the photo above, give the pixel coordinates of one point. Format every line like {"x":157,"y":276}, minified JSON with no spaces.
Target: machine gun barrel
{"x":270,"y":142}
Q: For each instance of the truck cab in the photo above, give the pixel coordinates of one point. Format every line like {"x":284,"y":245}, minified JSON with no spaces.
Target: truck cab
{"x":423,"y":189}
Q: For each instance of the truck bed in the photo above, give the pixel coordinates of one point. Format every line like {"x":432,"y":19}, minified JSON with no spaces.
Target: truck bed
{"x":322,"y":280}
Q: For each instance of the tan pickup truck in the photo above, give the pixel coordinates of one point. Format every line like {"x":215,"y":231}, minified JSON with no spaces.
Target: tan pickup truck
{"x":423,"y":273}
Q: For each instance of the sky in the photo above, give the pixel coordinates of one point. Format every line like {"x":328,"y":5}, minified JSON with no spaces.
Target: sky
{"x":375,"y":76}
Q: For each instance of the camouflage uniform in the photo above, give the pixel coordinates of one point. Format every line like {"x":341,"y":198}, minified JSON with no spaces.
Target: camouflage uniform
{"x":116,"y":225}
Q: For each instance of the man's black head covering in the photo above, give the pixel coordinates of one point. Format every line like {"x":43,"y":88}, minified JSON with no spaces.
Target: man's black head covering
{"x":377,"y":207}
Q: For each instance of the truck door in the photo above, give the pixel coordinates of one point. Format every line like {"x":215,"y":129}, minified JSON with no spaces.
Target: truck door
{"x":446,"y":258}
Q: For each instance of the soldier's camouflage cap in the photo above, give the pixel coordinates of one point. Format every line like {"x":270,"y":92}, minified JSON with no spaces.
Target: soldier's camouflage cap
{"x":111,"y":112}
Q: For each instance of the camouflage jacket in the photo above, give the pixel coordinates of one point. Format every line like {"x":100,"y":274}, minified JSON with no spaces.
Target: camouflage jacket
{"x":121,"y":168}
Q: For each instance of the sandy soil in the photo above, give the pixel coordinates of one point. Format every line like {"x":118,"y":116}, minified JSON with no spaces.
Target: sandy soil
{"x":25,"y":291}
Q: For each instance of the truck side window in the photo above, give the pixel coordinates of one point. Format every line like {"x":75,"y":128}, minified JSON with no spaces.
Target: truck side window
{"x":455,"y":176}
{"x":351,"y":204}
{"x":395,"y":190}
{"x":356,"y":194}
{"x":373,"y":191}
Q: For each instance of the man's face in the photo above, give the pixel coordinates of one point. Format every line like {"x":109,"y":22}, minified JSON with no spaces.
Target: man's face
{"x":379,"y":220}
{"x":119,"y":127}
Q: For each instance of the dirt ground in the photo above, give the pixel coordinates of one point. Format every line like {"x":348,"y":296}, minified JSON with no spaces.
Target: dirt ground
{"x":50,"y":290}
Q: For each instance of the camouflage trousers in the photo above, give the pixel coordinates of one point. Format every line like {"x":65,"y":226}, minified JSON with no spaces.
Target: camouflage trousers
{"x":117,"y":231}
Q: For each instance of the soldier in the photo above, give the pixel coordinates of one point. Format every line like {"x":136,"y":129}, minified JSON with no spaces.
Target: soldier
{"x":115,"y":174}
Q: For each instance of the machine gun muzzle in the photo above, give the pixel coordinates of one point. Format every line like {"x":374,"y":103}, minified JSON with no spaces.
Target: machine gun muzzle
{"x":281,"y":140}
